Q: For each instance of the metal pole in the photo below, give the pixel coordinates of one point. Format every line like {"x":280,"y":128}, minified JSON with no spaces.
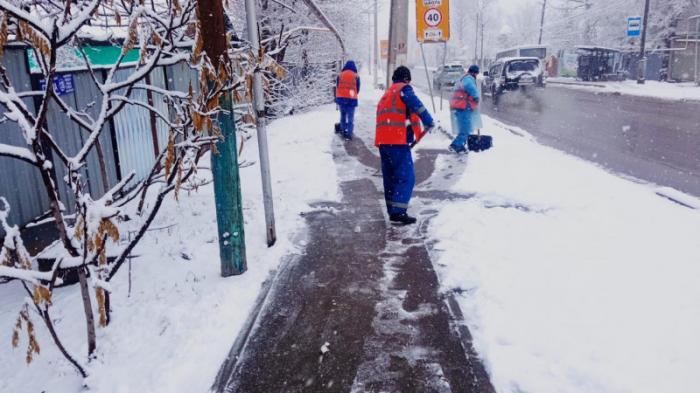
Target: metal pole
{"x":259,"y":105}
{"x":427,"y":77}
{"x":476,"y":40}
{"x":224,"y":166}
{"x":376,"y":48}
{"x":641,"y":77}
{"x":544,"y":5}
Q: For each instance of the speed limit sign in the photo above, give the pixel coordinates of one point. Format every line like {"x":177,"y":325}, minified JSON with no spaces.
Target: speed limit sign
{"x":433,"y":17}
{"x":433,"y":20}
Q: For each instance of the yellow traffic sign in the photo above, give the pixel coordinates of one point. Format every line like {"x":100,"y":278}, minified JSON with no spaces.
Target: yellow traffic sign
{"x":432,"y":20}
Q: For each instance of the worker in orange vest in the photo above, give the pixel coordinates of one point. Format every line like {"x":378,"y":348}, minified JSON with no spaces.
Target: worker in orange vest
{"x":346,"y":91}
{"x":463,"y":105}
{"x":399,"y":117}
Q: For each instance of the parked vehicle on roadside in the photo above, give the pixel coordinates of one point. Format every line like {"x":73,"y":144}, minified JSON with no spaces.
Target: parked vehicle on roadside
{"x":446,"y":76}
{"x":513,"y":74}
{"x":538,"y":51}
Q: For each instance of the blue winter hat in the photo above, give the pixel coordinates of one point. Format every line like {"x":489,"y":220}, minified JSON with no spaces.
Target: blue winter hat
{"x":350,"y":65}
{"x":473,"y":69}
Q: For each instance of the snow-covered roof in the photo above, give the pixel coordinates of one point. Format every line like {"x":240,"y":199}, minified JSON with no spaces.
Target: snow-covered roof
{"x":591,"y":47}
{"x":505,"y":59}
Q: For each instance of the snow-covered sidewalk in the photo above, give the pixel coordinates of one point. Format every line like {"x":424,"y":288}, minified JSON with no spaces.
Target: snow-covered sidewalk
{"x":571,"y":279}
{"x":653,"y":89}
{"x":176,"y":328}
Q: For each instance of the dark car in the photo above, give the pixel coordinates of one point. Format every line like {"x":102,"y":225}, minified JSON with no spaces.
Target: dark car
{"x":515,"y":74}
{"x":446,"y":76}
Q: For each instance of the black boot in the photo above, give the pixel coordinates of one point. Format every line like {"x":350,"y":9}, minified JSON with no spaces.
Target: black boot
{"x":402,"y":218}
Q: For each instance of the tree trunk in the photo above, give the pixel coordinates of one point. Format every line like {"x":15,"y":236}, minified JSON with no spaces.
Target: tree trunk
{"x":87,"y":306}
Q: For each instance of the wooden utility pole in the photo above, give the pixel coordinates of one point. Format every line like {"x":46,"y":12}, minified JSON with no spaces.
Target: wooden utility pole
{"x":544,"y":6}
{"x":224,"y":165}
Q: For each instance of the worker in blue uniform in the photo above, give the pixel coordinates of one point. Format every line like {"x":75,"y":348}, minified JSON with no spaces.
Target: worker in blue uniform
{"x":399,"y":117}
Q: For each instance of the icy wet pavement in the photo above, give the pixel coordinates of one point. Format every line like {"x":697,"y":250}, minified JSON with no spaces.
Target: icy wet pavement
{"x":360,"y":310}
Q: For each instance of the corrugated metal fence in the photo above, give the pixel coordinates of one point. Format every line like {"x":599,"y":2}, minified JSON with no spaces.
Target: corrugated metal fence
{"x":129,"y":143}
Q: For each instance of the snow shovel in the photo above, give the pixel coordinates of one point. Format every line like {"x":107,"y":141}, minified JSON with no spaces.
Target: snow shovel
{"x":478,"y":142}
{"x":438,"y":128}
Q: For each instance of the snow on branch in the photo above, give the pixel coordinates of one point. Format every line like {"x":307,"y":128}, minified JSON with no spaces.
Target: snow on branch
{"x":162,"y":36}
{"x":20,"y":153}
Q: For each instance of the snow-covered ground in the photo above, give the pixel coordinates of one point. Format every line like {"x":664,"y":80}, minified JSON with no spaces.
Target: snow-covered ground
{"x":176,"y":328}
{"x":571,"y":278}
{"x":663,"y":90}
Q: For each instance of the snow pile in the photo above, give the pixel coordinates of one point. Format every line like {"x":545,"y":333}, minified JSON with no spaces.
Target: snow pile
{"x":663,"y":90}
{"x":176,"y":328}
{"x":571,"y":279}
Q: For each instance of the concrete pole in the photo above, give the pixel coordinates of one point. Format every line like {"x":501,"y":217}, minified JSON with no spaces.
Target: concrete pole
{"x":224,"y":166}
{"x":398,"y":36}
{"x":259,"y":105}
{"x":641,"y":76}
{"x":376,"y":47}
{"x":391,"y":58}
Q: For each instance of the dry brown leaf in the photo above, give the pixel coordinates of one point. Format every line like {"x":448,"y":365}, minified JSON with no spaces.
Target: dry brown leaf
{"x":101,"y":305}
{"x":4,"y":32}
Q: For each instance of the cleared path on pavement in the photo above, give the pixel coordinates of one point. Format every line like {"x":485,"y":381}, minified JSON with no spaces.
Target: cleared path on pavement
{"x":368,"y":290}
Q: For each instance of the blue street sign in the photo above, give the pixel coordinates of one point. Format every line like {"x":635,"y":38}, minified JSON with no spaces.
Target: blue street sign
{"x":62,"y":84}
{"x":634,"y":26}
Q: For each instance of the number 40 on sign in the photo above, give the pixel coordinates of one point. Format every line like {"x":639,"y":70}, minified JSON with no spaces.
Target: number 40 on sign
{"x":432,"y":20}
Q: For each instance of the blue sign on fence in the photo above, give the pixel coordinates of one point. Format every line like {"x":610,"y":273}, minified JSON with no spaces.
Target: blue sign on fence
{"x":634,"y":26}
{"x":62,"y":84}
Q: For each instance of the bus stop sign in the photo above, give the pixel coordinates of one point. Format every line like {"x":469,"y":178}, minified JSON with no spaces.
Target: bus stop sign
{"x":634,"y":26}
{"x":432,"y":20}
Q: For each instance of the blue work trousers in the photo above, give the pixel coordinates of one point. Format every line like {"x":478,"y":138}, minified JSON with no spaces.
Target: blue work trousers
{"x":462,"y":120}
{"x":347,"y":119}
{"x":399,"y":178}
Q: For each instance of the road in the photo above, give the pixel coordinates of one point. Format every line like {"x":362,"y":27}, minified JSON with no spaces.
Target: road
{"x":650,"y":139}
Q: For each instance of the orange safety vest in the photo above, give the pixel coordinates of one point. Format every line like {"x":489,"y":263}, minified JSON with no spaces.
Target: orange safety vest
{"x":461,"y":100}
{"x":347,"y":85}
{"x":393,"y":119}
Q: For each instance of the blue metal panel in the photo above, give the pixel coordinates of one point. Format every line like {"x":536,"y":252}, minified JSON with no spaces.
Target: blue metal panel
{"x":158,"y":80}
{"x":20,"y":182}
{"x":133,"y":134}
{"x":89,"y":100}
